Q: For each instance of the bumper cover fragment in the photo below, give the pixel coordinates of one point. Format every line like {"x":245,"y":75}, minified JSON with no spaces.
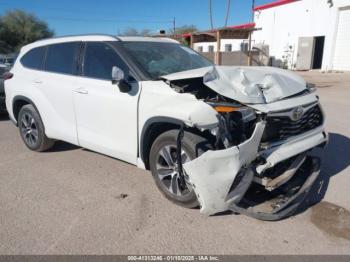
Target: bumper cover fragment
{"x":285,"y":201}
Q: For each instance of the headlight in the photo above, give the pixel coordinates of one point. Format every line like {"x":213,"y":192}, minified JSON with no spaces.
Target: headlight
{"x":226,"y":109}
{"x":247,"y":113}
{"x":311,"y":87}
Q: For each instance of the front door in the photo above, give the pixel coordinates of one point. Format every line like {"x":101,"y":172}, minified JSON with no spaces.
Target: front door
{"x":106,"y":118}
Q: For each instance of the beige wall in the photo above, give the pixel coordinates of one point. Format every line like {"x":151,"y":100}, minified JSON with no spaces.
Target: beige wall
{"x":236,"y":58}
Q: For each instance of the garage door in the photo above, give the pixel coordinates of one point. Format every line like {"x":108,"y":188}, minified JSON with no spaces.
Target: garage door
{"x":342,"y":48}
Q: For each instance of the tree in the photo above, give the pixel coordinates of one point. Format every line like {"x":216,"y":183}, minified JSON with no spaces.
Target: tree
{"x":134,"y":32}
{"x":18,"y":28}
{"x":184,"y":29}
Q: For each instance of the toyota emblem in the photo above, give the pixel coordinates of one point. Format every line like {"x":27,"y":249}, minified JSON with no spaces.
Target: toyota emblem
{"x":297,"y":113}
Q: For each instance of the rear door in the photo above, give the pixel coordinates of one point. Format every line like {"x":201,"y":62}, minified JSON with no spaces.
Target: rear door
{"x":56,"y":83}
{"x":50,"y":76}
{"x":106,"y":117}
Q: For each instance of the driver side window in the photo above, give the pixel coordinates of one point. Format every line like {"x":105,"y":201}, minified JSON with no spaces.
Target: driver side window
{"x":99,"y":59}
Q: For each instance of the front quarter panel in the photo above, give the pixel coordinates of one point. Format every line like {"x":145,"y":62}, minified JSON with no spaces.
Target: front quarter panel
{"x":159,"y":101}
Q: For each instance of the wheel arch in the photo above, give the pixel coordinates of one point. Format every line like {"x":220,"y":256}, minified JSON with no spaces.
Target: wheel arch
{"x":18,"y":102}
{"x":154,"y":127}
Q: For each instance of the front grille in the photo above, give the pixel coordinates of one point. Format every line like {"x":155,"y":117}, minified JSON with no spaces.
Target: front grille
{"x":282,"y":127}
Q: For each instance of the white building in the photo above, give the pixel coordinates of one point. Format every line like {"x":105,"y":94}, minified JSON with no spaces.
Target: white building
{"x":227,"y":45}
{"x":305,"y":34}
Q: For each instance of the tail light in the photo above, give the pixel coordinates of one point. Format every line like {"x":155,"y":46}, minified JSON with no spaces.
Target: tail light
{"x":7,"y":76}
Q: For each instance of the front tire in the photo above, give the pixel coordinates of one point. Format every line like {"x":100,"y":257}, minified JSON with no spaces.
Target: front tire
{"x":163,"y":165}
{"x":32,"y":129}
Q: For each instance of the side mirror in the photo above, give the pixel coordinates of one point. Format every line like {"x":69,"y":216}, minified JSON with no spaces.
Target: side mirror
{"x":118,"y":78}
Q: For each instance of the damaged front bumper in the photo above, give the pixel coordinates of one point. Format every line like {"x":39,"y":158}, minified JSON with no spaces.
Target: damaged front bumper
{"x":226,"y":179}
{"x":286,"y":200}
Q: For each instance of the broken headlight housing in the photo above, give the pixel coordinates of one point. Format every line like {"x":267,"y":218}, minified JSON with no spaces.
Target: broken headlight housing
{"x":311,"y":87}
{"x":236,"y":123}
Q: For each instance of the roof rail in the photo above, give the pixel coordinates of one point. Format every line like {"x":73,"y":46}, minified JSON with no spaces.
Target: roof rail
{"x":65,"y":36}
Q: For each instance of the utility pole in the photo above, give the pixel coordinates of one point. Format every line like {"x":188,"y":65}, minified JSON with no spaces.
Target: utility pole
{"x":174,"y":25}
{"x":211,"y":15}
{"x":253,"y":6}
{"x":250,"y":37}
{"x":227,"y":11}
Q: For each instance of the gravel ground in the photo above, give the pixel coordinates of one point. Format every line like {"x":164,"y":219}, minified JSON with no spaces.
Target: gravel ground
{"x":74,"y":201}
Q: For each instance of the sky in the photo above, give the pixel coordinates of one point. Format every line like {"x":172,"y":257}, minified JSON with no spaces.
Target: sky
{"x":68,"y":17}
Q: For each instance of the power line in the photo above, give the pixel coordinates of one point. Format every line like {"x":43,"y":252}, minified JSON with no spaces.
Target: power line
{"x":72,"y":11}
{"x":107,"y":20}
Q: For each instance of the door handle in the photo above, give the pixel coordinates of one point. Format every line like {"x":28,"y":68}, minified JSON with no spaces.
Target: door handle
{"x":37,"y":81}
{"x":81,"y":91}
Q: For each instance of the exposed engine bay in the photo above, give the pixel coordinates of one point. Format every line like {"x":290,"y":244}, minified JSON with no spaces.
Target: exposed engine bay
{"x":261,"y":163}
{"x":234,"y":126}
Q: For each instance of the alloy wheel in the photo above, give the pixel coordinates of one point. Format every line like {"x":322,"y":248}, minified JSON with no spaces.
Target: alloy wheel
{"x":29,"y":129}
{"x":168,"y":170}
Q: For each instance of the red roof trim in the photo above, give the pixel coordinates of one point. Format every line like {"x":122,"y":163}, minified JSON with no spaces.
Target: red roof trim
{"x":274,"y":4}
{"x":186,"y":35}
{"x":243,"y":26}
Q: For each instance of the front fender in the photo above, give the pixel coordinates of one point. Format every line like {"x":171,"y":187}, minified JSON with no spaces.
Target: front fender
{"x":160,"y":104}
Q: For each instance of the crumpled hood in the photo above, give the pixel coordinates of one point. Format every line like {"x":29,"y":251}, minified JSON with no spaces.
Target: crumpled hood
{"x":251,"y":85}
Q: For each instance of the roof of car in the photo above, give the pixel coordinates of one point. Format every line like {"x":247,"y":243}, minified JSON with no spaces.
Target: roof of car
{"x":96,"y":38}
{"x":146,"y":39}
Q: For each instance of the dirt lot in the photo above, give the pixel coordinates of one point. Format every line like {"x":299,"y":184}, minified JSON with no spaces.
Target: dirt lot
{"x":73,"y":201}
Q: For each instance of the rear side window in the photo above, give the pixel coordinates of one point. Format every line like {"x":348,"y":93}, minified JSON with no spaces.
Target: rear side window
{"x":99,"y":60}
{"x":62,"y":58}
{"x":34,"y":58}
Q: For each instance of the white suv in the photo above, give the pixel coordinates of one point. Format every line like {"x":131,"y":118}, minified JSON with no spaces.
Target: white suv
{"x":224,"y":138}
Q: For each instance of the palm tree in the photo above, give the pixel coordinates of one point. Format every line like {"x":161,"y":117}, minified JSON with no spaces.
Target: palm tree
{"x":211,"y":13}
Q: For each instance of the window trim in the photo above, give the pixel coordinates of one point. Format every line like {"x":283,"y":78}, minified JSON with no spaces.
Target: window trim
{"x":138,"y":73}
{"x":45,"y":47}
{"x":42,"y":62}
{"x":75,"y":63}
{"x":82,"y":62}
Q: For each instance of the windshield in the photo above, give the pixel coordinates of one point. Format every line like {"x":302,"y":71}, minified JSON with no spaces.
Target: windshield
{"x":159,"y":59}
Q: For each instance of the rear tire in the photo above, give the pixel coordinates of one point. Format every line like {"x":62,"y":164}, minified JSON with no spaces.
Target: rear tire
{"x":32,"y":130}
{"x":174,"y":187}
